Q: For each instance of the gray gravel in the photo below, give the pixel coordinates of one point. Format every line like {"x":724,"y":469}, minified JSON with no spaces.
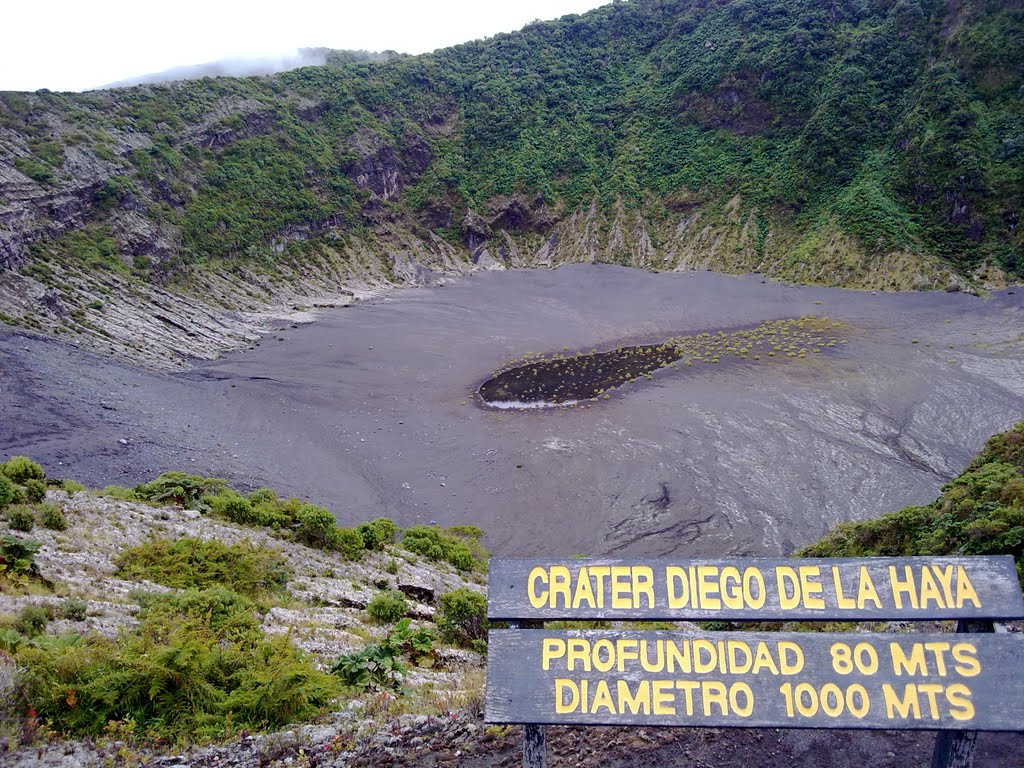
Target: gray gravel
{"x":370,"y":410}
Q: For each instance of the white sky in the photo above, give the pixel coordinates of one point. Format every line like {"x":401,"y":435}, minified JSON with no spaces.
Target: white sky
{"x":78,"y":44}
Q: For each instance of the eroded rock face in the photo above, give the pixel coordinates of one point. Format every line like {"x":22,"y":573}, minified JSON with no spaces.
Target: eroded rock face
{"x":382,"y":169}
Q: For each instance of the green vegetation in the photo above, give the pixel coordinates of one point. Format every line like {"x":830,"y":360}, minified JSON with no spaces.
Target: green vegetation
{"x":379,"y":666}
{"x":981,"y":512}
{"x":21,"y":517}
{"x":463,"y":618}
{"x":895,"y":126}
{"x":200,"y":563}
{"x":378,"y":533}
{"x":35,"y":490}
{"x":387,"y":607}
{"x":458,"y":545}
{"x":52,"y":516}
{"x":178,"y":488}
{"x":21,"y":469}
{"x":18,"y":558}
{"x":198,"y":667}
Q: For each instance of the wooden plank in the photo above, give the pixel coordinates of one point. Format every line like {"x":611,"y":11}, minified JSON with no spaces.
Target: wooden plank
{"x":855,"y":589}
{"x":746,"y":679}
{"x":955,"y":749}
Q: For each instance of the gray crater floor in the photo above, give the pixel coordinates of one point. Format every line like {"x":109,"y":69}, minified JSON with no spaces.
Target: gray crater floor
{"x":371,"y":411}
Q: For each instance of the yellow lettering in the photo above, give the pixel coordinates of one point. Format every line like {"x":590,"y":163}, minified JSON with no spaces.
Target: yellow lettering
{"x":708,"y":591}
{"x":732,"y":595}
{"x":965,"y":654}
{"x":634,"y":703}
{"x":553,"y":648}
{"x":964,"y":589}
{"x":945,"y":577}
{"x":620,"y":587}
{"x":938,"y":652}
{"x":537,"y":599}
{"x":583,"y":592}
{"x":747,"y":707}
{"x":643,"y":585}
{"x":903,"y":586}
{"x":930,"y":590}
{"x":687,"y":687}
{"x":841,"y":601}
{"x":559,"y":584}
{"x":624,"y":654}
{"x":678,"y":657}
{"x":599,"y":573}
{"x":959,"y":697}
{"x":602,"y":698}
{"x":866,"y":590}
{"x":713,"y":692}
{"x":704,"y":658}
{"x":603,"y":645}
{"x":903,"y":707}
{"x":659,"y":658}
{"x":752,"y":576}
{"x":663,"y":696}
{"x":763,"y":659}
{"x":810,"y":586}
{"x":931,"y":690}
{"x":737,"y":648}
{"x":787,"y":581}
{"x":562,"y":686}
{"x":579,"y":650}
{"x":911,"y":665}
{"x":678,"y":590}
{"x":787,"y":649}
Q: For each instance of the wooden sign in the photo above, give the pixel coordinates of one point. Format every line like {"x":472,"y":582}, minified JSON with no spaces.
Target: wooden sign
{"x":743,"y":679}
{"x":861,"y":589}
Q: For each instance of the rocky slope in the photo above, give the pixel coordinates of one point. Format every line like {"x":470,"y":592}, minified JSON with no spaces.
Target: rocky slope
{"x":842,"y":144}
{"x":323,"y":611}
{"x":437,"y":722}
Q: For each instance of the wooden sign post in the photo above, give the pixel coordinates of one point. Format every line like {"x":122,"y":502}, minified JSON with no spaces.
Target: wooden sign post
{"x":957,"y":684}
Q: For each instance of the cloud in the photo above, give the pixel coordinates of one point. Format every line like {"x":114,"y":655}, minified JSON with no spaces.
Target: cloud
{"x":232,"y":67}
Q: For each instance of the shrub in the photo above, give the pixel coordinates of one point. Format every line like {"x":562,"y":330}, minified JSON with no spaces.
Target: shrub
{"x":178,"y":488}
{"x":118,"y":492}
{"x":232,"y":506}
{"x":53,"y":517}
{"x":8,"y":491}
{"x":35,"y":490}
{"x":74,"y":609}
{"x":317,"y":527}
{"x":21,"y":468}
{"x":71,"y":487}
{"x":462,"y":618}
{"x":979,"y":513}
{"x":200,"y":563}
{"x":262,"y":495}
{"x":32,"y":620}
{"x":387,"y":607}
{"x":349,"y":542}
{"x":454,"y":546}
{"x":21,"y":518}
{"x":197,"y":667}
{"x":378,"y":533}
